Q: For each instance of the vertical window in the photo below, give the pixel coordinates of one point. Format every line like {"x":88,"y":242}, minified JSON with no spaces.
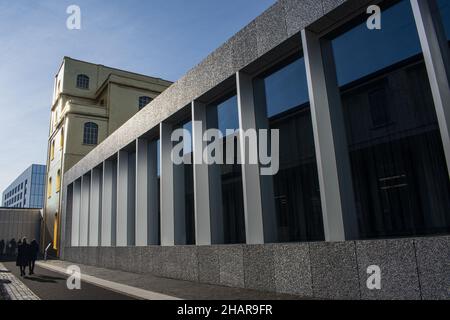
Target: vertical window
{"x":52,"y":150}
{"x":90,"y":136}
{"x":226,"y":113}
{"x":61,"y":138}
{"x":283,"y":92}
{"x":399,"y":172}
{"x":49,"y":188}
{"x":379,"y":107}
{"x":143,"y":101}
{"x":185,"y":175}
{"x":444,"y":9}
{"x":58,"y":181}
{"x":83,"y":81}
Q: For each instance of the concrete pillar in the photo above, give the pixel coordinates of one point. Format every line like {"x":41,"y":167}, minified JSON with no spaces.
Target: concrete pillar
{"x":109,"y":204}
{"x":207,"y":181}
{"x":84,"y":213}
{"x":76,"y":207}
{"x":436,"y":54}
{"x":126,"y":199}
{"x":95,"y":208}
{"x":167,"y":194}
{"x":147,"y":215}
{"x":259,"y":202}
{"x":333,"y":163}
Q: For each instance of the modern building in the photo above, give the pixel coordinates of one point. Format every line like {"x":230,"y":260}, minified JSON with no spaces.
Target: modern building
{"x":27,"y":190}
{"x":90,"y":102}
{"x":363,"y":117}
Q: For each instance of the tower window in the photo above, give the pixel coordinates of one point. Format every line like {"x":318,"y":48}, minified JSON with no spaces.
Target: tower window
{"x":90,"y":135}
{"x":83,"y":81}
{"x":49,"y":188}
{"x":52,"y":150}
{"x":61,"y":141}
{"x":58,"y":181}
{"x":143,"y":101}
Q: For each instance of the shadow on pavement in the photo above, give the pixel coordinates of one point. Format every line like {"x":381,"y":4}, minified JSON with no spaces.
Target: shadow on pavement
{"x":41,"y":280}
{"x":44,"y":279}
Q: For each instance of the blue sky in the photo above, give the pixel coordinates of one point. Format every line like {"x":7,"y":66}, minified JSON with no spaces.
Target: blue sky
{"x":162,"y":38}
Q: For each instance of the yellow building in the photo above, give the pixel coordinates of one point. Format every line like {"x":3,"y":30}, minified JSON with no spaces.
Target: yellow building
{"x":90,"y":102}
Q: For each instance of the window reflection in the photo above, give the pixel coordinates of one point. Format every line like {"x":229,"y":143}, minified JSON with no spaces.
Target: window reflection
{"x":286,"y":88}
{"x":360,"y":52}
{"x":185,"y":172}
{"x":400,"y":175}
{"x":444,"y":9}
{"x":226,"y":112}
{"x":284,"y":94}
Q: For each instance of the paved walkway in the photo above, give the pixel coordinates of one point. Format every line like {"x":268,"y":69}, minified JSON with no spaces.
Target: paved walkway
{"x":50,"y":285}
{"x":154,"y":288}
{"x":12,"y":288}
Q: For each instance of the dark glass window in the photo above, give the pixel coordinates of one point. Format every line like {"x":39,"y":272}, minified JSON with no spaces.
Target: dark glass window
{"x":283,"y":92}
{"x":90,"y":135}
{"x":158,"y":174}
{"x":227,"y":115}
{"x":379,"y":109}
{"x":400,"y":176}
{"x":286,"y":88}
{"x":184,"y":172}
{"x":143,"y":101}
{"x":360,"y":52}
{"x":444,"y":8}
{"x":226,"y":112}
{"x":82,"y":81}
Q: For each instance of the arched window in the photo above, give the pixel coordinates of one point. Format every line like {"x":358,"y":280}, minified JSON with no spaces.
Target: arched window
{"x":82,"y":81}
{"x":58,"y":181}
{"x":49,"y":188}
{"x":143,"y":101}
{"x":61,"y":141}
{"x":90,"y":135}
{"x":52,"y":150}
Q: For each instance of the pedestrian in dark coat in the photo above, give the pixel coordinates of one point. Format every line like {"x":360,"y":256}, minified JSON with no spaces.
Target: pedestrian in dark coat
{"x":19,"y":245}
{"x":2,"y":247}
{"x":34,"y":250}
{"x":12,"y":247}
{"x":23,"y":253}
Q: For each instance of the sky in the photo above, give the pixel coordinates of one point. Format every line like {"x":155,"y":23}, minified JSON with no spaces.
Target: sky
{"x":161,"y":38}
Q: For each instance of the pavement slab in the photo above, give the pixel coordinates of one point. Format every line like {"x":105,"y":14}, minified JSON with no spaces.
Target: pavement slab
{"x":11,"y":288}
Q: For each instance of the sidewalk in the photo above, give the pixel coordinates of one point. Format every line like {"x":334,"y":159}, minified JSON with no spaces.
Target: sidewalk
{"x":149,"y":287}
{"x":12,"y":288}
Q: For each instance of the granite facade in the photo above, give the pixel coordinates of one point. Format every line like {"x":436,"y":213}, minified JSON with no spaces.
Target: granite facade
{"x":411,"y":269}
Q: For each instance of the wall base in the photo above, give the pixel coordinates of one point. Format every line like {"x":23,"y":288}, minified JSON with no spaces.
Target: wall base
{"x":411,"y":269}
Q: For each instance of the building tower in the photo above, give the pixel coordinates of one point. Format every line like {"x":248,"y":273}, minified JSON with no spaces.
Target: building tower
{"x":90,"y":102}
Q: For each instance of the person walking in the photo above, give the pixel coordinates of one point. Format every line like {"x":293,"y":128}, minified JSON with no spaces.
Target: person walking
{"x":2,"y":247}
{"x":22,"y":256}
{"x":12,"y":247}
{"x":33,"y":253}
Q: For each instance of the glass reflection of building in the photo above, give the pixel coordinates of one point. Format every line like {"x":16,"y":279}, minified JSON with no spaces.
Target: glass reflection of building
{"x":400,"y":176}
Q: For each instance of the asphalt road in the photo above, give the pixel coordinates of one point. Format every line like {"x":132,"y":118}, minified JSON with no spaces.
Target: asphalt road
{"x":49,"y":285}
